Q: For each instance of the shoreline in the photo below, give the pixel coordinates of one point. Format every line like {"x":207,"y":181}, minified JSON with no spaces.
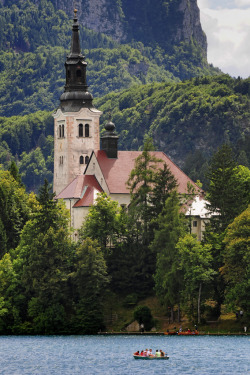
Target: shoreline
{"x":163,"y":334}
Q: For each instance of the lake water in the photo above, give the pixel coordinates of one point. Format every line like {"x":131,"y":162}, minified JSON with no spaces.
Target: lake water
{"x":112,"y":355}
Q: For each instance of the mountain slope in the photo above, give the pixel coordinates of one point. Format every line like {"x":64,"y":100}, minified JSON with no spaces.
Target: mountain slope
{"x":188,"y":121}
{"x":36,"y":37}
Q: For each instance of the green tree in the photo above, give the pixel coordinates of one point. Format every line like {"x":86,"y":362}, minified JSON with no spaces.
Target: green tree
{"x":103,"y":222}
{"x":42,"y":263}
{"x":168,"y":278}
{"x":226,"y":192}
{"x":164,"y":184}
{"x":7,"y":282}
{"x":236,"y":268}
{"x":195,"y":264}
{"x":33,"y":169}
{"x":140,"y":182}
{"x":228,"y":196}
{"x":90,"y":280}
{"x":15,"y":172}
{"x":14,"y":211}
{"x":143,"y":316}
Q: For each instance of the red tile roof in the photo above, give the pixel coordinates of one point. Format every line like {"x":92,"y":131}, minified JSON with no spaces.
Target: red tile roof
{"x":82,"y":188}
{"x":116,"y":171}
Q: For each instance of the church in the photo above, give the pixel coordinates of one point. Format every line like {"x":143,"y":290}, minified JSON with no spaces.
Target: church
{"x":86,"y":164}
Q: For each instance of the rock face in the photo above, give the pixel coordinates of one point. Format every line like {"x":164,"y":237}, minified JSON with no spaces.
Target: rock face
{"x":191,"y":24}
{"x":165,"y":22}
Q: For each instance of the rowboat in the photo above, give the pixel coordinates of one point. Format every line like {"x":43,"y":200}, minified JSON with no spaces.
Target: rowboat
{"x":150,"y":358}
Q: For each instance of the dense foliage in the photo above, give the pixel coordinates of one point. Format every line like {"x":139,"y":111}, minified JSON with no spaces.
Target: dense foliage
{"x":188,"y":121}
{"x":50,"y":284}
{"x":33,"y":48}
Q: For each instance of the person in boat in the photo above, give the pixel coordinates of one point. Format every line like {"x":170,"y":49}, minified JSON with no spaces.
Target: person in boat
{"x":142,"y":353}
{"x":137,"y":353}
{"x":162,"y":353}
{"x":150,"y":353}
{"x":157,"y":353}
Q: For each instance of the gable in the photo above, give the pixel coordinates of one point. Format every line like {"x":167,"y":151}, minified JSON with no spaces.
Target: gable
{"x":83,"y":188}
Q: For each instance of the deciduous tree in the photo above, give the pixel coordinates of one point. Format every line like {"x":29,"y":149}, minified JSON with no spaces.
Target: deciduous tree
{"x":236,"y":268}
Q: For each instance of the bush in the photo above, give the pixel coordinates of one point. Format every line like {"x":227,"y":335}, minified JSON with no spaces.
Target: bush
{"x":143,"y":316}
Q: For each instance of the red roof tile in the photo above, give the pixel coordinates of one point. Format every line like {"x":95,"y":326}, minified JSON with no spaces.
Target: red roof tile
{"x":82,"y":188}
{"x":116,"y":171}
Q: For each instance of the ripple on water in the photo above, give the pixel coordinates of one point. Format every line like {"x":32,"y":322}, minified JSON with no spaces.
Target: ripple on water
{"x":112,"y":355}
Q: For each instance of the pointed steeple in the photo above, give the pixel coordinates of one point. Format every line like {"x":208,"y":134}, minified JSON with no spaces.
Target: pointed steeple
{"x":75,"y":40}
{"x":76,"y":95}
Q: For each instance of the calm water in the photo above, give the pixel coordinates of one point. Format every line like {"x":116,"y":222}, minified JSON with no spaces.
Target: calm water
{"x":91,"y":355}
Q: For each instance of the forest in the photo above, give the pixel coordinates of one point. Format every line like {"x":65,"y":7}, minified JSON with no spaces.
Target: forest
{"x":50,"y":284}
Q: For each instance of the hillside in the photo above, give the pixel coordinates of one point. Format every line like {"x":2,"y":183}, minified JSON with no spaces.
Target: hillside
{"x":187,"y":120}
{"x":36,"y":37}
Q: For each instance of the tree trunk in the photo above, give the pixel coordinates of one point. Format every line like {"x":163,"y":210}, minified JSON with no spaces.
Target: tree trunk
{"x":199,"y":305}
{"x":172,"y":314}
{"x":179,"y":313}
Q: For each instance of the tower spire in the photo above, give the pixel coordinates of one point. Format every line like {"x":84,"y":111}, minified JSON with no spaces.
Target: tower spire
{"x":76,"y":95}
{"x":75,"y":40}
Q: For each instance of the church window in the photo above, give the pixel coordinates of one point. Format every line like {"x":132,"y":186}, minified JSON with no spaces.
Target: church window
{"x":81,"y":159}
{"x":80,"y":130}
{"x":78,"y":73}
{"x":61,"y":160}
{"x":86,"y":159}
{"x":86,"y":130}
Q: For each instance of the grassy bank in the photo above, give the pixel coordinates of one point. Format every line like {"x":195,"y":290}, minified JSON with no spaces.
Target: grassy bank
{"x":119,"y":318}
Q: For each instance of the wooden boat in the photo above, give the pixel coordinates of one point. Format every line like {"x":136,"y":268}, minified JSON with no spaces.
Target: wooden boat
{"x":149,"y":358}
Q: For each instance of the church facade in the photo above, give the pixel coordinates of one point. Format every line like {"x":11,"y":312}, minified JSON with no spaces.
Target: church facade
{"x":82,"y":168}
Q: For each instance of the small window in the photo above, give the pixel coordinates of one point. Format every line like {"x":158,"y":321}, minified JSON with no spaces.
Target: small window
{"x":61,"y":160}
{"x":86,"y":130}
{"x":81,"y":160}
{"x":62,"y":131}
{"x":195,"y":224}
{"x":86,"y":159}
{"x":78,"y":73}
{"x":68,"y":73}
{"x":80,"y":130}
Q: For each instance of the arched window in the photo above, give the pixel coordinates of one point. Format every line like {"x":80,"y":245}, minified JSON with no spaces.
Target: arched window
{"x":86,"y":159}
{"x":78,"y":73}
{"x":81,"y":159}
{"x":86,"y":130}
{"x":62,"y":131}
{"x":80,"y":130}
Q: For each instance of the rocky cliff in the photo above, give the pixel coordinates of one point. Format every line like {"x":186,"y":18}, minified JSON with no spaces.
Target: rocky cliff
{"x":163,"y":22}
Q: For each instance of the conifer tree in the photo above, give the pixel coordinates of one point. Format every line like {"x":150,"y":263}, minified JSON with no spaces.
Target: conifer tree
{"x":43,"y":261}
{"x":168,"y":277}
{"x":236,"y":268}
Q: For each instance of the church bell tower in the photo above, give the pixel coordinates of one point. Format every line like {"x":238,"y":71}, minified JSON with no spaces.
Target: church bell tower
{"x":76,"y":121}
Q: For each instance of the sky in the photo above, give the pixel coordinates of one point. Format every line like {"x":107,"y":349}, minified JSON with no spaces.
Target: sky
{"x":227,"y":26}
